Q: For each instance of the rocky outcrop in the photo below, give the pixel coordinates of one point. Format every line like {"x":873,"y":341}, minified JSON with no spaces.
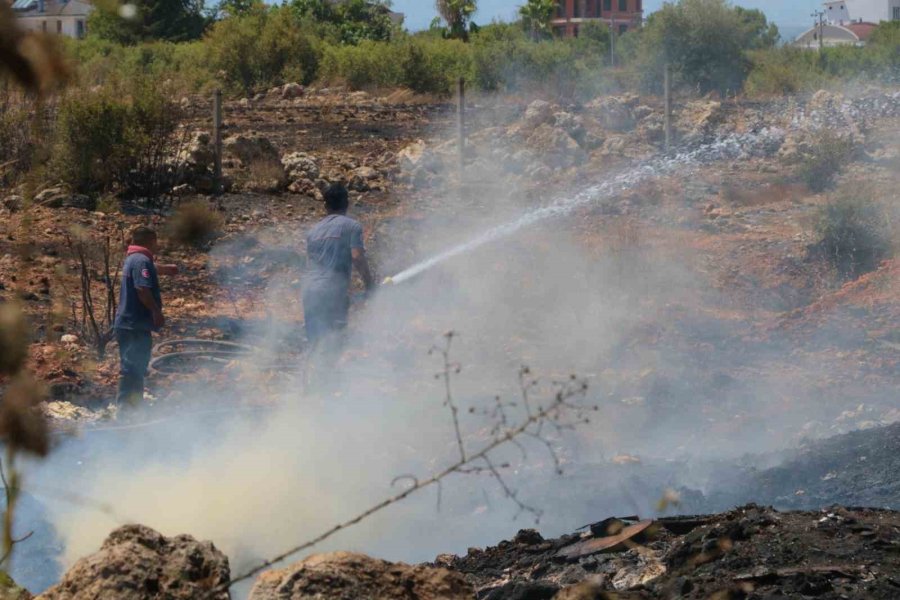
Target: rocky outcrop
{"x":252,"y":148}
{"x":613,"y":113}
{"x":138,"y":563}
{"x":351,"y":576}
{"x":538,"y":113}
{"x":361,"y":178}
{"x":289,"y":91}
{"x":300,"y":165}
{"x":699,"y":120}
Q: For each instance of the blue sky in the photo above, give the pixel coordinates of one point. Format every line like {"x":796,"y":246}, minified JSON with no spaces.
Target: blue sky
{"x":791,"y":13}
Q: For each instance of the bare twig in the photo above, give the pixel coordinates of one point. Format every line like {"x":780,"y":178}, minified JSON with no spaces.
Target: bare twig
{"x":96,"y":325}
{"x":450,"y":368}
{"x":11,"y":493}
{"x":479,"y":462}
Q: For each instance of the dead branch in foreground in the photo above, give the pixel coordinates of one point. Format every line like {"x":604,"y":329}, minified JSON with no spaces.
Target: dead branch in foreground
{"x":560,"y":414}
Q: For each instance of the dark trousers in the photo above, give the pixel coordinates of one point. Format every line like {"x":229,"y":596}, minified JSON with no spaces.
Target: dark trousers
{"x":135,"y":349}
{"x":325,"y":317}
{"x":324,"y":313}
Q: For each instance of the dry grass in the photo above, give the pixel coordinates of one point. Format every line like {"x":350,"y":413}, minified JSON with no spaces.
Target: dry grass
{"x":265,"y":176}
{"x":195,"y":224}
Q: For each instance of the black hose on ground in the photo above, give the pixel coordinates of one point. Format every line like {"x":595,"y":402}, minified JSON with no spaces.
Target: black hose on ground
{"x":215,"y":351}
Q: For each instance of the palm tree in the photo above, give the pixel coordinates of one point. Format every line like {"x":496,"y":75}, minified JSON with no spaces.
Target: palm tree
{"x":536,"y":16}
{"x":457,"y":14}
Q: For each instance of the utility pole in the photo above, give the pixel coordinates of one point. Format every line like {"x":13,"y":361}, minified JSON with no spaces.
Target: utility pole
{"x":819,"y":16}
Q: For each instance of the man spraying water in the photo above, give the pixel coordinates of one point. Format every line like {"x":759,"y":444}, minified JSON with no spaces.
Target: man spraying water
{"x":333,"y":247}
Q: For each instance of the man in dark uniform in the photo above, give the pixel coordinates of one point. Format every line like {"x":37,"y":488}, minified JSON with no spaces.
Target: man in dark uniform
{"x":333,"y":247}
{"x":139,"y":313}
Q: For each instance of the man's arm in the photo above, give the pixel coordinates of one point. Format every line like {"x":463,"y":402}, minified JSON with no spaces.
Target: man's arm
{"x":145,"y":295}
{"x":362,"y":265}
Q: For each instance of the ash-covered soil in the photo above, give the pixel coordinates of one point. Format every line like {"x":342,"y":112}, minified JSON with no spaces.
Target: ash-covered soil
{"x":751,"y":552}
{"x":856,"y":469}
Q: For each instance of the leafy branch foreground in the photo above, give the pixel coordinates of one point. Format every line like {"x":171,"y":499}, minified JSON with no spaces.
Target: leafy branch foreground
{"x":560,"y":414}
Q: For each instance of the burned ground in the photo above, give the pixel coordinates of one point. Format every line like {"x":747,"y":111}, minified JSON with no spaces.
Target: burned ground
{"x":720,"y":336}
{"x":750,"y":552}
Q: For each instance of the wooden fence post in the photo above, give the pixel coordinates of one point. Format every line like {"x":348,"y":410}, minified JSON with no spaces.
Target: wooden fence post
{"x":667,"y":83}
{"x":217,"y":141}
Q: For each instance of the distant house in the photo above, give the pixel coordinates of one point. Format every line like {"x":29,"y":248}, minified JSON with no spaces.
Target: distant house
{"x":61,"y":17}
{"x":848,"y":22}
{"x":849,"y":34}
{"x":619,"y":15}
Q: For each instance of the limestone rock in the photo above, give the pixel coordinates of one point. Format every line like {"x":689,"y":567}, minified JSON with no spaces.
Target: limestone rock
{"x":411,"y":156}
{"x":360,"y":178}
{"x":198,"y":154}
{"x":51,"y":197}
{"x":292,"y":90}
{"x":251,"y":148}
{"x":700,"y":118}
{"x":300,"y":165}
{"x":613,"y":113}
{"x":351,"y":576}
{"x":137,"y":563}
{"x":615,"y":145}
{"x":556,"y":147}
{"x":825,"y":100}
{"x":571,"y":124}
{"x":538,"y":113}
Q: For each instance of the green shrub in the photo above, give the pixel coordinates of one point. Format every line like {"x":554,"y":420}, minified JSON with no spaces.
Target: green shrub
{"x":15,"y":136}
{"x":264,"y":48}
{"x":705,"y":42}
{"x":853,"y":236}
{"x":184,"y":65}
{"x":421,"y":63}
{"x":91,"y":140}
{"x":784,"y":71}
{"x":117,"y":138}
{"x":829,"y":153}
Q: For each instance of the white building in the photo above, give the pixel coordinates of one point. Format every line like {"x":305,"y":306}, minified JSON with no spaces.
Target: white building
{"x":836,"y":13}
{"x":871,"y":11}
{"x":62,"y":17}
{"x":848,"y":34}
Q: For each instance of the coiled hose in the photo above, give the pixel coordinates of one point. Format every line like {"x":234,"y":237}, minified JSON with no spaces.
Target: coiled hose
{"x":219,"y":353}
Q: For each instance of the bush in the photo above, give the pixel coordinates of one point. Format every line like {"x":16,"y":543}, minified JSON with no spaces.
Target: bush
{"x":784,"y":71}
{"x":195,"y":224}
{"x":118,"y":138}
{"x":91,"y":141}
{"x":184,"y":65}
{"x":829,"y":153}
{"x":15,"y":136}
{"x":262,"y":49}
{"x":853,"y":236}
{"x":705,"y":42}
{"x":423,"y":64}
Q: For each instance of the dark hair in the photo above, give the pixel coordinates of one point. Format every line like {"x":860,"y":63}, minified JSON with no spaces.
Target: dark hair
{"x":142,"y":235}
{"x":336,"y":198}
